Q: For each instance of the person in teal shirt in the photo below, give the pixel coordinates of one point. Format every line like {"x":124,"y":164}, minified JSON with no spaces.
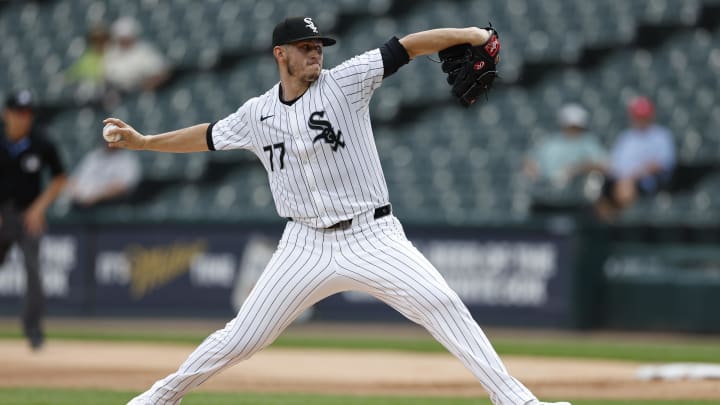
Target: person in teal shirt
{"x":572,"y":152}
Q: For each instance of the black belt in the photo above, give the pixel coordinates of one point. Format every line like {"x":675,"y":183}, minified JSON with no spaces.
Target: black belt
{"x":380,"y":212}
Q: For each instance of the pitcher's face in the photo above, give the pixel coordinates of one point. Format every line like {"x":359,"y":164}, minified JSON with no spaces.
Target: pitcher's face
{"x":304,"y":59}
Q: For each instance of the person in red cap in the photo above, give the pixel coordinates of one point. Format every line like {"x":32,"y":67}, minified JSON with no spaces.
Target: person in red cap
{"x":641,"y":160}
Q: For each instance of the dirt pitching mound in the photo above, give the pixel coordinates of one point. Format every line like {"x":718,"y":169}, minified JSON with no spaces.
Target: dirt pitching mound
{"x":135,"y":366}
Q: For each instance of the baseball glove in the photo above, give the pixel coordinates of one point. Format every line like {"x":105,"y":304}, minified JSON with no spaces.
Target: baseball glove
{"x":471,"y":70}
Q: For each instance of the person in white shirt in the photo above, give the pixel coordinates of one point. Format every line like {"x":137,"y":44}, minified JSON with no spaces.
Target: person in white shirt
{"x":131,"y":64}
{"x":104,"y":175}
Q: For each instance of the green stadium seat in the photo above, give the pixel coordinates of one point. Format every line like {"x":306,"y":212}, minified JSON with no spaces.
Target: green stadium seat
{"x":471,"y":156}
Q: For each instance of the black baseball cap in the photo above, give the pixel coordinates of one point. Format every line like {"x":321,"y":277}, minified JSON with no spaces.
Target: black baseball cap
{"x":298,"y":29}
{"x":19,"y":100}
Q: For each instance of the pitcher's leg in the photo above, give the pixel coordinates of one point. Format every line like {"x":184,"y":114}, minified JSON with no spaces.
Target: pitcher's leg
{"x":392,"y":270}
{"x":294,"y":280}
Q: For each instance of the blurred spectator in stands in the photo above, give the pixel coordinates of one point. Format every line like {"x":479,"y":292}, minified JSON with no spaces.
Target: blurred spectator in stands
{"x":27,"y":155}
{"x":572,"y":152}
{"x":88,"y":71}
{"x":641,"y":160}
{"x":131,"y":64}
{"x":104,"y":176}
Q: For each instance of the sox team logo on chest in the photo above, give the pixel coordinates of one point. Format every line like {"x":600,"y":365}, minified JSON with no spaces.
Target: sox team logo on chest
{"x":327,"y":131}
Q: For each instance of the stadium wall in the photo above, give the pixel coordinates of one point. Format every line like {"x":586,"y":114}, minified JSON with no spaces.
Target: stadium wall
{"x":555,"y":274}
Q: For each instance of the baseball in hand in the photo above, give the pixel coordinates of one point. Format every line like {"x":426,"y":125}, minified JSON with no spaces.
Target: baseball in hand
{"x":108,"y":136}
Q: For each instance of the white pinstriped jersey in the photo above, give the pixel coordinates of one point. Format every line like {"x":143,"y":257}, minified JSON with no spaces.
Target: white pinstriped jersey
{"x":319,"y":152}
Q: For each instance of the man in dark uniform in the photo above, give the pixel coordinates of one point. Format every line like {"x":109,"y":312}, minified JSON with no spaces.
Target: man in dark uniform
{"x":25,"y":153}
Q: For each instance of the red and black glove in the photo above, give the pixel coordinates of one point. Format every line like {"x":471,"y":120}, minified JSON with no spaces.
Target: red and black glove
{"x":471,"y":69}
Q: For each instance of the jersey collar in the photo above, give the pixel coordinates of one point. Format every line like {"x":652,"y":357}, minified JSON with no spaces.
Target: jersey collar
{"x":15,"y":149}
{"x":291,"y":102}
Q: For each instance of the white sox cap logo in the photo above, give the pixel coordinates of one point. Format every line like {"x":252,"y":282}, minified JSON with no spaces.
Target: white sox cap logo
{"x":310,"y":24}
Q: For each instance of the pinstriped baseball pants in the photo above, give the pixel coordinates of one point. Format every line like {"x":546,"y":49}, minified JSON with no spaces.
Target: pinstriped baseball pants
{"x":310,"y":264}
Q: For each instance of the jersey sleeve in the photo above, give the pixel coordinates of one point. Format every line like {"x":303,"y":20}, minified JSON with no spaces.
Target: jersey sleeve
{"x":52,"y":157}
{"x":359,"y":76}
{"x":231,"y":132}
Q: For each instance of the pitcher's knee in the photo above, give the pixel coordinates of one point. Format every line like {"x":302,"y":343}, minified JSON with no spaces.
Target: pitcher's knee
{"x":243,"y":346}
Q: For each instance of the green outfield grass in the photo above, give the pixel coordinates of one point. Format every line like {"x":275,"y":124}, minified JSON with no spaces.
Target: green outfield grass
{"x":558,"y":347}
{"x":27,"y":396}
{"x":555,"y":347}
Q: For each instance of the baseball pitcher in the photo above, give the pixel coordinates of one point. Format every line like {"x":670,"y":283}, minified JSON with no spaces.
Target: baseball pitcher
{"x":312,"y":133}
